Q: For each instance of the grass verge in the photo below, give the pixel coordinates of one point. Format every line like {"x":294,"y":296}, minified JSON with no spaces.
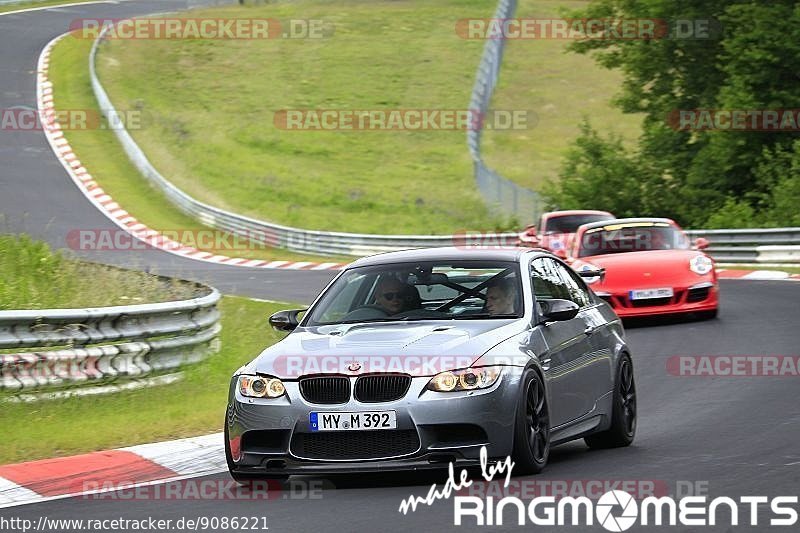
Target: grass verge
{"x":102,"y":155}
{"x":561,"y":88}
{"x":209,"y":107}
{"x":33,"y":277}
{"x":193,"y":406}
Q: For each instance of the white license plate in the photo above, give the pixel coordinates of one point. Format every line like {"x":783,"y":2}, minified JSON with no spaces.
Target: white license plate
{"x":352,"y":421}
{"x":649,"y":294}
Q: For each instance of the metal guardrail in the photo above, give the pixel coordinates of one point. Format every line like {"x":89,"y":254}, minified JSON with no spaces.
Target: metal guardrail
{"x":501,"y":193}
{"x":759,"y":237}
{"x":70,"y":347}
{"x":771,"y":245}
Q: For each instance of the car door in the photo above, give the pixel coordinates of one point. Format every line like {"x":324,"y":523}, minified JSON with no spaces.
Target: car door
{"x":567,"y":347}
{"x":596,"y":364}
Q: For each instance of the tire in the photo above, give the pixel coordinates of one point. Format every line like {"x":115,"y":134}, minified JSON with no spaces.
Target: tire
{"x":532,"y":426}
{"x":248,"y":478}
{"x":623,"y":417}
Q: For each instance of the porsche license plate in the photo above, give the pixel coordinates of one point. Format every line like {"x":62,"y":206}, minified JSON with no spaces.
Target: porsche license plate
{"x":649,"y":294}
{"x":352,"y":421}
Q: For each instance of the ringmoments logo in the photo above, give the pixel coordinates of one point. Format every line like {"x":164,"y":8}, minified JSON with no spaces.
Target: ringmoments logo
{"x":618,"y":510}
{"x":615,"y":510}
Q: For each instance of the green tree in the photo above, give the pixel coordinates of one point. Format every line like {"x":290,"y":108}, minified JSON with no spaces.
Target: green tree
{"x":750,"y":59}
{"x":597,"y":172}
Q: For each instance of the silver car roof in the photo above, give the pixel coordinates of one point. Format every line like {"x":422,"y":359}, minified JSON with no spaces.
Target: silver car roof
{"x":447,"y":254}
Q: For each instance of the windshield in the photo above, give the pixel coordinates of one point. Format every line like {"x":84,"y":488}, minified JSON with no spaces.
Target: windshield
{"x":634,"y":237}
{"x":570,"y":223}
{"x":450,"y":290}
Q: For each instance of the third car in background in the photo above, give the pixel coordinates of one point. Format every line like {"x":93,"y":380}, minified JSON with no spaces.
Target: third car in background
{"x":556,"y":229}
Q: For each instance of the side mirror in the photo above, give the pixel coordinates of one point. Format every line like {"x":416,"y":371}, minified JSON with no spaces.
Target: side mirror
{"x":285,"y":320}
{"x":528,"y":237}
{"x":593,"y":273}
{"x":558,"y":310}
{"x":701,"y":243}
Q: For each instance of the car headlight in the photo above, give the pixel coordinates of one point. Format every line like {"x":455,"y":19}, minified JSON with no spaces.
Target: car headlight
{"x":701,"y":264}
{"x":261,"y":387}
{"x":465,"y":379}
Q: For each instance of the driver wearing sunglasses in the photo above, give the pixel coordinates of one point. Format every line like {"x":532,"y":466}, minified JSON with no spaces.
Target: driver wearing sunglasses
{"x":392,"y":295}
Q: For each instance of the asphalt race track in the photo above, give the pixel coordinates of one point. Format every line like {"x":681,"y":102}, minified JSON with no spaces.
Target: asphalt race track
{"x":734,"y":436}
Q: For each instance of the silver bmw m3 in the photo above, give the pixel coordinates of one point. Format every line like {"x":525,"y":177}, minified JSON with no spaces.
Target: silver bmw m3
{"x":416,"y":359}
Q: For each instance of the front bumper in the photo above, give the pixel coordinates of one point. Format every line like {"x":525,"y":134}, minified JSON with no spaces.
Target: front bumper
{"x":433,"y":429}
{"x":686,"y":299}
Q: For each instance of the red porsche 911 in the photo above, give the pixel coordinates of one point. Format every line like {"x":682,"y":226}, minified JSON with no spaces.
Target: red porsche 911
{"x":646,"y":266}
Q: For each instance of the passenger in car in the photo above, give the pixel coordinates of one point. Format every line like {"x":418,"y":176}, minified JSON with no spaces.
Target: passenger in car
{"x":500,"y":297}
